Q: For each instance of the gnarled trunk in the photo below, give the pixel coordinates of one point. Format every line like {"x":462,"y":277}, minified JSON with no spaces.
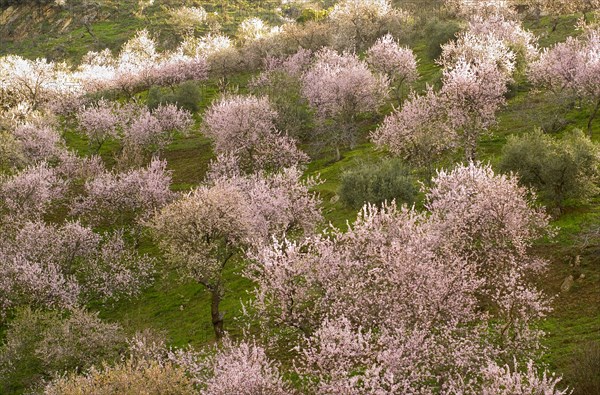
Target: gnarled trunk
{"x":216,"y":315}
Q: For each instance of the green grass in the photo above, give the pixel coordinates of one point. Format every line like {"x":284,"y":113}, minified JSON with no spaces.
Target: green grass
{"x":181,"y":309}
{"x":58,"y":33}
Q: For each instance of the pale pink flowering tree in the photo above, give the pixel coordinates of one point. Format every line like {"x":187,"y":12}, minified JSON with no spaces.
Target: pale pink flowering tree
{"x":418,"y":131}
{"x":34,"y":82}
{"x":354,"y":273}
{"x":477,"y":49}
{"x":100,"y":122}
{"x":244,"y":127}
{"x":241,"y":368}
{"x":429,"y":125}
{"x":116,"y":198}
{"x":399,"y":303}
{"x":339,"y":87}
{"x":357,"y":23}
{"x":201,"y":232}
{"x":492,"y":220}
{"x":472,"y":95}
{"x":176,"y":68}
{"x":501,"y":380}
{"x":38,"y":143}
{"x":96,"y":72}
{"x":293,"y":65}
{"x":227,"y":368}
{"x":149,"y":132}
{"x":297,"y":63}
{"x":386,"y":56}
{"x":220,"y":52}
{"x":141,"y":132}
{"x":74,"y":167}
{"x":511,"y":32}
{"x":63,"y":267}
{"x":135,"y":62}
{"x":572,"y":67}
{"x":138,"y":66}
{"x":30,"y":193}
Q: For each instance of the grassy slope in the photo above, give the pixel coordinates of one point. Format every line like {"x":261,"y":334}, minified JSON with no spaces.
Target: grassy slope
{"x":181,"y":309}
{"x":39,"y":31}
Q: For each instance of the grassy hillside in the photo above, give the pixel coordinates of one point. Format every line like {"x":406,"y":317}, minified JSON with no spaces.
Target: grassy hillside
{"x":70,"y":31}
{"x":181,"y":310}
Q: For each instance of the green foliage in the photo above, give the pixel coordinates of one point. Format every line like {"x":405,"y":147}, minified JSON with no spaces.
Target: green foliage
{"x":377,"y":182}
{"x":186,"y":96}
{"x":182,"y":310}
{"x":39,"y":344}
{"x":563,"y":169}
{"x":294,"y":117}
{"x":310,"y":14}
{"x":438,"y":32}
{"x":11,"y":154}
{"x":585,"y":368}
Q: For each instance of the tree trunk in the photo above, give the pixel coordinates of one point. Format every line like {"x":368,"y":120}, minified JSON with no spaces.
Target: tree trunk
{"x":470,"y":147}
{"x":217,"y":316}
{"x":591,"y":118}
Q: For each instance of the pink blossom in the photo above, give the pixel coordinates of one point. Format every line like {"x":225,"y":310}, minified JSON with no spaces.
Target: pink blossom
{"x":408,"y":302}
{"x":63,"y":267}
{"x":418,"y":131}
{"x":117,"y":197}
{"x":203,"y":230}
{"x":337,"y":84}
{"x":388,"y":57}
{"x":30,"y":193}
{"x":39,"y":143}
{"x":244,"y":127}
{"x":572,"y":67}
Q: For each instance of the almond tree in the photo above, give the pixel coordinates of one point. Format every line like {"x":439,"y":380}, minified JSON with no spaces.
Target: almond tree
{"x":522,"y":42}
{"x":39,"y":143}
{"x":116,"y":198}
{"x":141,"y":132}
{"x":62,"y":267}
{"x":572,"y":67}
{"x":148,"y":133}
{"x":34,"y":82}
{"x":386,"y":56}
{"x":30,"y":193}
{"x":244,"y":127}
{"x":418,"y":131}
{"x":203,"y":231}
{"x":242,"y":368}
{"x":457,"y":115}
{"x":476,"y":49}
{"x":357,"y":23}
{"x":403,"y":297}
{"x":339,"y":87}
{"x":472,"y":95}
{"x":137,"y":67}
{"x":100,"y":122}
